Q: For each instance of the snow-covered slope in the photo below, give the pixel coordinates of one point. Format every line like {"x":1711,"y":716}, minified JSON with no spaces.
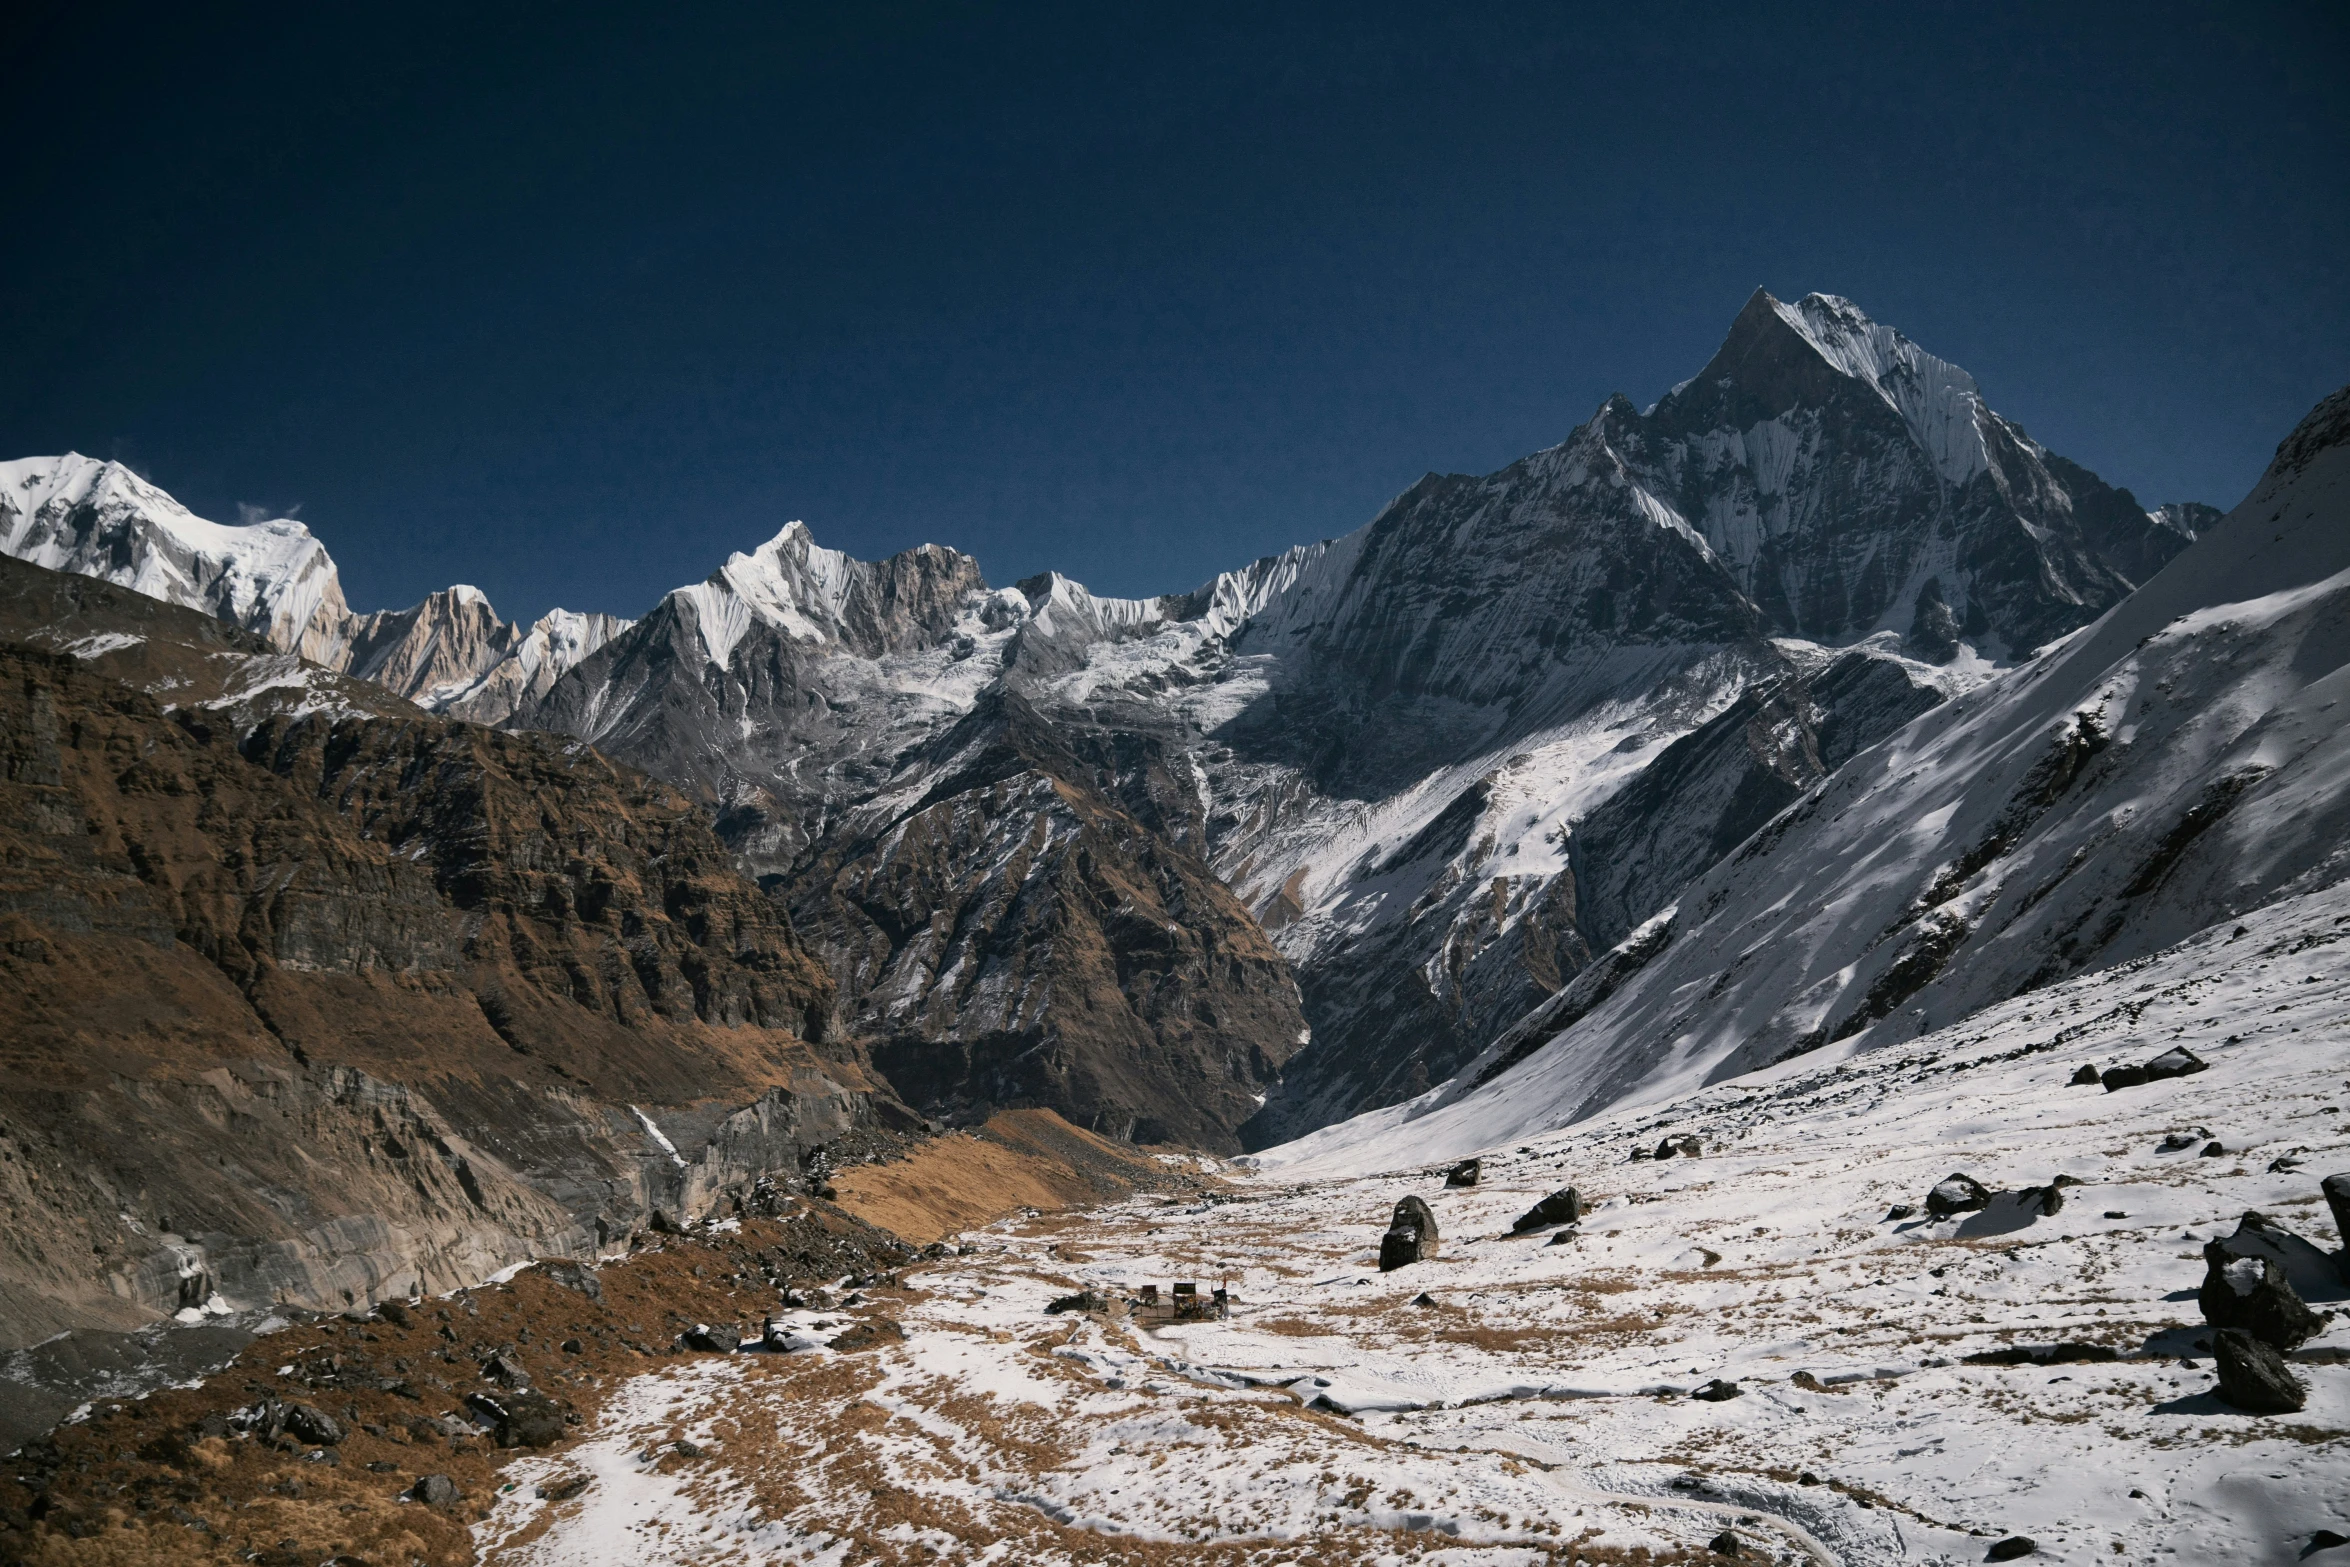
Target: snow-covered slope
{"x":1522,"y":1398}
{"x":449,"y":653}
{"x":2163,"y":772}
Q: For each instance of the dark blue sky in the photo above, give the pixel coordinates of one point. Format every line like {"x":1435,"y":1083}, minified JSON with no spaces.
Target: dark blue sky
{"x":572,"y":303}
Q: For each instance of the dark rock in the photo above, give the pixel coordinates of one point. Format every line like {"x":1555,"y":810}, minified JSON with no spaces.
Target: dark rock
{"x":1465,"y":1173}
{"x":2337,"y":1193}
{"x":1410,"y":1237}
{"x":1718,"y":1391}
{"x":2253,"y":1377}
{"x":2009,"y":1549}
{"x":1898,"y":1211}
{"x":2326,"y":1540}
{"x":1726,"y":1543}
{"x":2087,"y":1074}
{"x":2246,"y":1287}
{"x":2175,"y":1062}
{"x":1956,"y":1193}
{"x":395,"y":1312}
{"x":506,"y":1370}
{"x":1425,"y":1299}
{"x":520,"y":1419}
{"x":1564,"y":1206}
{"x":572,"y":1346}
{"x":565,"y":1489}
{"x":435,"y":1491}
{"x":720,"y":1339}
{"x":309,"y":1424}
{"x":1087,"y":1301}
{"x":2214,"y":1150}
{"x":1686,"y":1147}
{"x":1565,"y":1237}
{"x":2173,"y":1142}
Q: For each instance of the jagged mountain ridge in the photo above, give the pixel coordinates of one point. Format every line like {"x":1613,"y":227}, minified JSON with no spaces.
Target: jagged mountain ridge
{"x":1381,"y":742}
{"x":2172,"y":768}
{"x":308,"y":995}
{"x":1398,"y":748}
{"x":450,"y":653}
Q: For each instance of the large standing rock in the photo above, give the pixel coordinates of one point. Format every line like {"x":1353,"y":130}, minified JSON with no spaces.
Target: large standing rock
{"x":2247,"y":1285}
{"x":2337,"y":1190}
{"x":1956,"y":1193}
{"x":1410,"y":1237}
{"x":2252,"y":1375}
{"x":1564,"y":1206}
{"x":1465,"y":1173}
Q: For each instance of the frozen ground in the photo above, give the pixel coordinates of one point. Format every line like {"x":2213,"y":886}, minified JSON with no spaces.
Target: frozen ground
{"x":1515,"y":1400}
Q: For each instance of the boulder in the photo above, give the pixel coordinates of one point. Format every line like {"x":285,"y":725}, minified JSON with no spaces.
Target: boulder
{"x":506,"y":1370}
{"x":1088,"y":1301}
{"x":1956,"y":1193}
{"x":1564,"y":1206}
{"x":2086,"y":1075}
{"x":1686,"y":1147}
{"x":394,"y":1311}
{"x":1465,"y":1173}
{"x":2252,"y":1375}
{"x":2012,"y":1548}
{"x":1410,"y":1237}
{"x":1726,"y":1543}
{"x":2248,"y":1282}
{"x":309,"y":1424}
{"x":1718,"y":1391}
{"x":435,"y":1491}
{"x":722,"y":1338}
{"x":2177,"y":1061}
{"x":520,"y":1419}
{"x":2337,"y":1190}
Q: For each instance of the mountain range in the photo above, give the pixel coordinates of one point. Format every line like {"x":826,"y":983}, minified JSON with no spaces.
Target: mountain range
{"x":1224,"y":867}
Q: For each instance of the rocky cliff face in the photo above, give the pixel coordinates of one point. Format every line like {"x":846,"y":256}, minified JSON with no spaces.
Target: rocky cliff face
{"x":309,"y":995}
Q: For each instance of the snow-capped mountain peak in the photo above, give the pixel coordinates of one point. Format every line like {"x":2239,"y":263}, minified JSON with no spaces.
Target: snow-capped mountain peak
{"x":99,"y":519}
{"x":448,"y":652}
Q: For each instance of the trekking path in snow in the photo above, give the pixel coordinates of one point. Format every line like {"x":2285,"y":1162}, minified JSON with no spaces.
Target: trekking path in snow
{"x":1512,"y":1400}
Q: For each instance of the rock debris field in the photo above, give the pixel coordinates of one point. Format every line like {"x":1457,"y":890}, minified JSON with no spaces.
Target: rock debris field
{"x":1738,"y":1349}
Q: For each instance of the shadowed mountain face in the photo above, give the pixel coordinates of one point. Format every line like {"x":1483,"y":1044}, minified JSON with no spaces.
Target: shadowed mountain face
{"x":2122,"y":801}
{"x":1439,"y":763}
{"x":309,"y":995}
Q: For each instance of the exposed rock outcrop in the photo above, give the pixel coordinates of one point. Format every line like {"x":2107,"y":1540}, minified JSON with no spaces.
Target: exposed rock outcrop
{"x":308,"y":995}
